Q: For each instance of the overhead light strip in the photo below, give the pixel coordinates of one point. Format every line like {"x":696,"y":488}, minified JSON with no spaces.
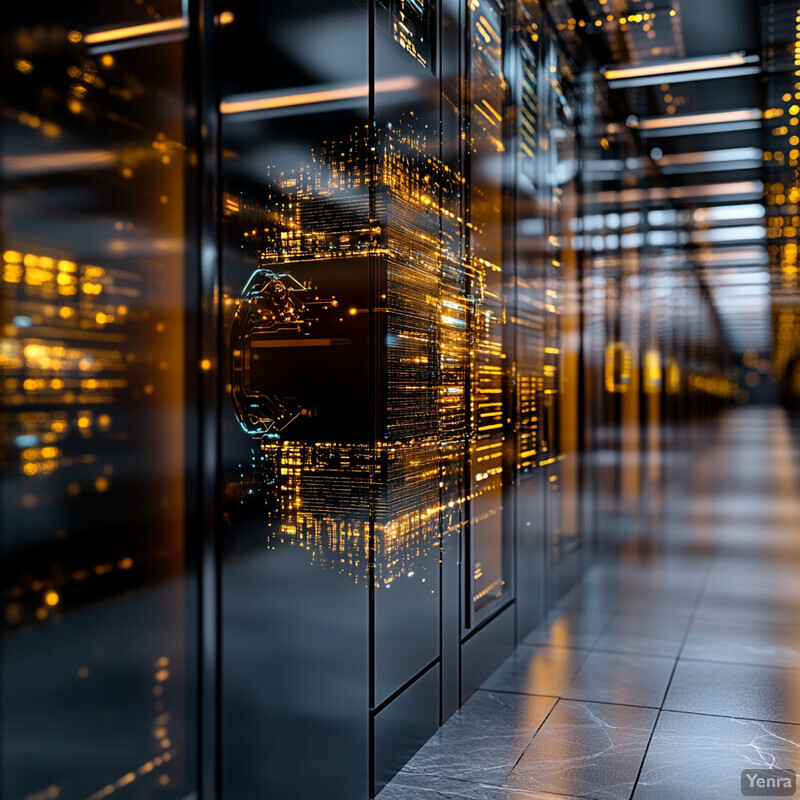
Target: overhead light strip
{"x":686,"y":77}
{"x":728,"y":213}
{"x":683,"y":65}
{"x":692,"y":120}
{"x":316,"y":96}
{"x":735,"y":278}
{"x":50,"y":163}
{"x":135,"y":31}
{"x":727,"y":156}
{"x":742,"y":233}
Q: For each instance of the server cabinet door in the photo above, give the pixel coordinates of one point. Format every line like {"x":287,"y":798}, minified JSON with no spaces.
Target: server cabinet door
{"x":98,"y":654}
{"x":528,"y":322}
{"x":490,"y":555}
{"x":563,"y":337}
{"x":298,"y":457}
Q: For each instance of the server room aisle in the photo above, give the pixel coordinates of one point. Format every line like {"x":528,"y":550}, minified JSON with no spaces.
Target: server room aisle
{"x":663,"y":675}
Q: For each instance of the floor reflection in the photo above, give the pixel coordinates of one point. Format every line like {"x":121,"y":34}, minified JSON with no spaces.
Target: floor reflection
{"x":670,"y":672}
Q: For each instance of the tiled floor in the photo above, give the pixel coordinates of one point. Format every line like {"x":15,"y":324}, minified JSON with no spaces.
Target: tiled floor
{"x":658,"y":678}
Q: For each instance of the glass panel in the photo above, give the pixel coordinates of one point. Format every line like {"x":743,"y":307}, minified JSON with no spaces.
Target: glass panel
{"x":299,"y":464}
{"x":97,"y":661}
{"x":563,"y":352}
{"x":529,"y":326}
{"x":595,"y":149}
{"x":490,"y":572}
{"x":410,"y":183}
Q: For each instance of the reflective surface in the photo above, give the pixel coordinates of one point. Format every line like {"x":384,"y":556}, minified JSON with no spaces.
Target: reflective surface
{"x":298,"y":453}
{"x":664,"y":673}
{"x":98,"y":660}
{"x":562,"y":351}
{"x":529,"y":323}
{"x":367,"y":298}
{"x":490,"y":571}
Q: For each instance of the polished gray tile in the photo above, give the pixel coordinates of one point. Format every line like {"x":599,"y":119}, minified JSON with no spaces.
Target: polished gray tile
{"x":537,"y":670}
{"x":643,"y":633}
{"x":406,"y":786}
{"x":702,"y":758}
{"x":735,"y":690}
{"x":639,"y":592}
{"x":738,"y":608}
{"x":484,"y":739}
{"x":623,"y":678}
{"x":675,"y":603}
{"x":746,"y":511}
{"x":736,"y":573}
{"x":431,"y":787}
{"x":586,"y":750}
{"x":659,"y":576}
{"x":726,"y":564}
{"x":570,"y":628}
{"x":521,"y":794}
{"x":769,"y":581}
{"x":769,"y":645}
